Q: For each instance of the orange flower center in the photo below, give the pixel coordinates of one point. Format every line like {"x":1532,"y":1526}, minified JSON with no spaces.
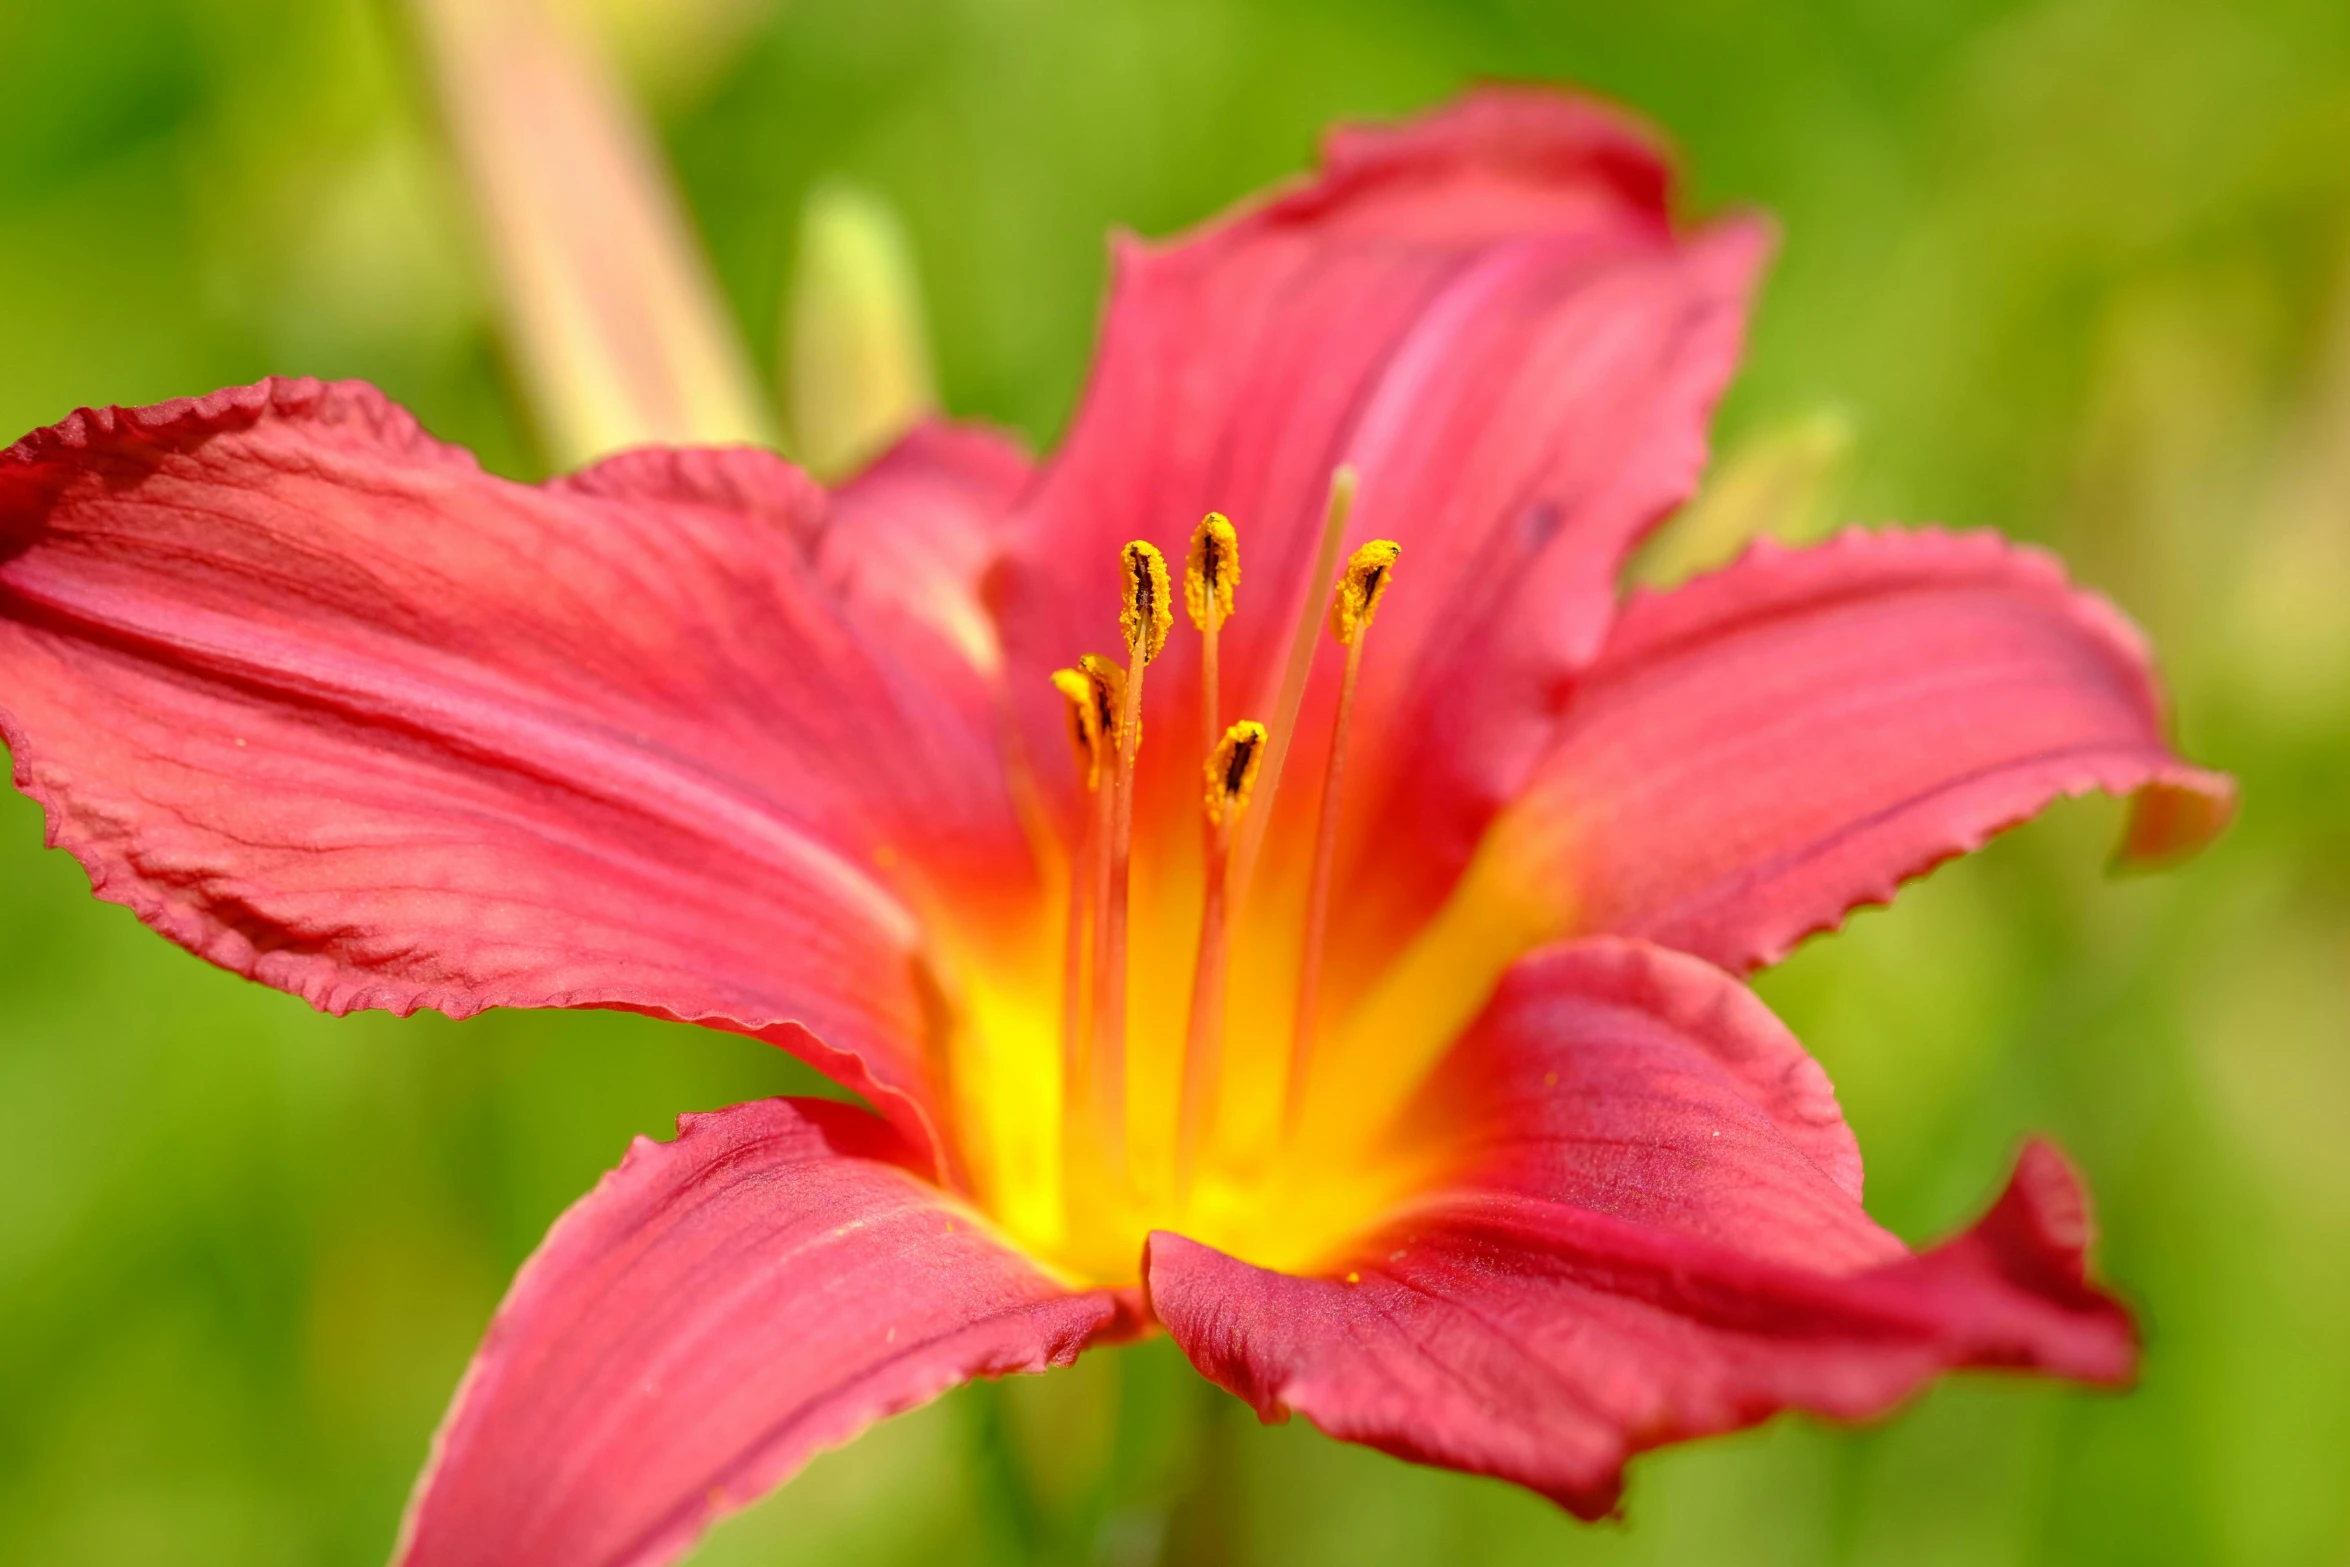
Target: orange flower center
{"x":1154,"y":1052}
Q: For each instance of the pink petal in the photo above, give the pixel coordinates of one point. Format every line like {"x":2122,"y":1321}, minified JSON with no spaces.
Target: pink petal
{"x":912,"y":535}
{"x":1762,"y":750}
{"x":328,"y":706}
{"x":1654,"y":1234}
{"x":1488,"y":312}
{"x":719,"y":1309}
{"x":1645,"y":1084}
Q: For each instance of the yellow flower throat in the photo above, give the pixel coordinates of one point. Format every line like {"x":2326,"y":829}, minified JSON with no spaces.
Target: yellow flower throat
{"x":1160,"y":1083}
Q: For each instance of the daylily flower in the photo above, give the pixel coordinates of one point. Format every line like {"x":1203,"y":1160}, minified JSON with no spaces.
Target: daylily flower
{"x":1480,"y":1153}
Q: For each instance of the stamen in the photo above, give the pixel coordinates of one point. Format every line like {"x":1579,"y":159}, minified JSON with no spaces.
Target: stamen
{"x":1211,"y":573}
{"x":1087,"y":730}
{"x":1360,"y":590}
{"x":1107,"y":679}
{"x":1144,"y":616}
{"x":1293,"y":677}
{"x":1104,"y":688}
{"x":1231,"y":773}
{"x":1087,"y":734}
{"x":1352,"y":604}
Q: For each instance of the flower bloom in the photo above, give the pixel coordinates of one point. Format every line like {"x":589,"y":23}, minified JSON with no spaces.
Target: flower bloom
{"x":1364,"y":1016}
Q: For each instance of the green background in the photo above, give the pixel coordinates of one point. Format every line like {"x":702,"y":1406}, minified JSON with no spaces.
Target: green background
{"x":2078,"y":270}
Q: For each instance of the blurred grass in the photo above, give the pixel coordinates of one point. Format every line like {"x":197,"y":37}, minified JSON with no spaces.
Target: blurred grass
{"x":2076,"y":269}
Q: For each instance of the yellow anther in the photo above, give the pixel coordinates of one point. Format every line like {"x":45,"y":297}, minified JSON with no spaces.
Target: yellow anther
{"x":1232,"y":771}
{"x":1145,"y":616}
{"x":1357,"y":597}
{"x":1212,"y":570}
{"x":1106,"y":679}
{"x":1085,"y":724}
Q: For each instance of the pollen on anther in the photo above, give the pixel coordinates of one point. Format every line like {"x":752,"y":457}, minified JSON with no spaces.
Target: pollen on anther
{"x":1231,"y":772}
{"x":1211,"y":572}
{"x":1145,"y":616}
{"x":1086,"y":724}
{"x":1356,"y":600}
{"x":1107,"y":679}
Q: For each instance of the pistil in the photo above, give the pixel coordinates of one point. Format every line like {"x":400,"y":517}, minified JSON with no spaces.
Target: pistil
{"x":1144,"y":619}
{"x":1352,"y":604}
{"x":1231,"y":772}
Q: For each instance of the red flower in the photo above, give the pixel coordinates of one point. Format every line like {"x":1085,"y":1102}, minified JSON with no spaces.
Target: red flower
{"x":1482,"y":1156}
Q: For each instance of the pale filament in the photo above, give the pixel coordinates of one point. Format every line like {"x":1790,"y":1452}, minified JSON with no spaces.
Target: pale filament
{"x":1105,"y":704}
{"x":1144,"y":618}
{"x":1229,"y":774}
{"x":1352,"y":604}
{"x":1298,"y":666}
{"x":1211,"y":582}
{"x":1092,"y":713}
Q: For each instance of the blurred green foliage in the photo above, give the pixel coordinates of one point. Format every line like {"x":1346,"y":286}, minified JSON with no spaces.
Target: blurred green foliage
{"x":2079,"y":269}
